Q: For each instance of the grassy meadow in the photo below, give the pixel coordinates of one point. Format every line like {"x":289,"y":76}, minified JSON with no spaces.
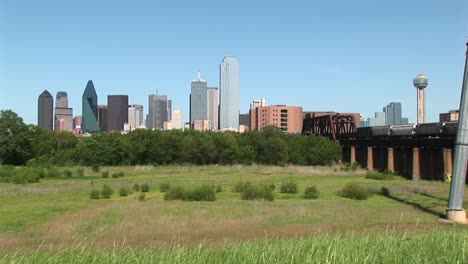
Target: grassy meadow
{"x":56,"y":221}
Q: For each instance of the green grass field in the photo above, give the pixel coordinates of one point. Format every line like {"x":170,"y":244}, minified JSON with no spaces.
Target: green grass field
{"x":56,"y":221}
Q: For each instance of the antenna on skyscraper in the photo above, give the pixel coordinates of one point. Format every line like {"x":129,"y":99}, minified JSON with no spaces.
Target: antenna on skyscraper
{"x":199,"y":75}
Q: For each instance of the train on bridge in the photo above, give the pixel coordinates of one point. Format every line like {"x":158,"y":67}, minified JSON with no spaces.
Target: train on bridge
{"x":445,"y":129}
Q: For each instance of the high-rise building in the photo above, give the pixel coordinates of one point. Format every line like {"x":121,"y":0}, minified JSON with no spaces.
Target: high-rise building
{"x":45,"y":111}
{"x":89,"y":107}
{"x":159,"y":111}
{"x":229,"y":94}
{"x":393,"y":114}
{"x":254,"y":114}
{"x":135,"y":116}
{"x":177,"y":119}
{"x":63,"y":114}
{"x":378,"y":120}
{"x":287,"y":118}
{"x":117,"y":112}
{"x":213,"y":107}
{"x":102,"y":117}
{"x":198,"y":100}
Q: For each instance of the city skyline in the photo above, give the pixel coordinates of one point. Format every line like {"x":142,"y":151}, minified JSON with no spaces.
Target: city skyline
{"x":316,"y":55}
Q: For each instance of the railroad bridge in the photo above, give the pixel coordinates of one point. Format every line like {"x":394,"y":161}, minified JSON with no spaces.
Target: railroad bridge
{"x":420,"y":151}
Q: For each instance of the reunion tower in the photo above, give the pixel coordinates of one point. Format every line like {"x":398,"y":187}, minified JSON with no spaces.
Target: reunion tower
{"x":421,"y":82}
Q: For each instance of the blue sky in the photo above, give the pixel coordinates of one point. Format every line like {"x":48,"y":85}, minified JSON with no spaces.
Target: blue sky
{"x":346,"y":56}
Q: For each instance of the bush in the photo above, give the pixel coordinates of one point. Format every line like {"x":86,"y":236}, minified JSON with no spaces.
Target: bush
{"x":24,"y":176}
{"x":141,"y":197}
{"x":115,"y":175}
{"x":380,"y":176}
{"x":94,"y":194}
{"x":68,"y":173}
{"x":123,"y":191}
{"x":218,"y":188}
{"x":80,"y":172}
{"x":202,"y":193}
{"x":106,"y":191}
{"x":311,"y":193}
{"x":144,"y":187}
{"x":136,"y":187}
{"x":385,"y":191}
{"x":353,"y":190}
{"x":52,"y":173}
{"x":272,"y":186}
{"x":252,"y":192}
{"x":164,"y":187}
{"x":175,"y":193}
{"x":121,"y":174}
{"x":105,"y":174}
{"x":240,"y":186}
{"x":288,"y":186}
{"x":95,"y":168}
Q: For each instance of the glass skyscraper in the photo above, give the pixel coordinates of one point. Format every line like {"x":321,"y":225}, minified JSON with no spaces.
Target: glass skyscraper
{"x":198,"y":98}
{"x":159,"y":111}
{"x":229,"y":94}
{"x":45,"y":111}
{"x":213,"y":107}
{"x":89,"y":108}
{"x":117,"y":112}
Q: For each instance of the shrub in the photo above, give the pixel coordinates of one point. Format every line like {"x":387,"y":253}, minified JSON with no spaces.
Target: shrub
{"x":115,"y":175}
{"x":123,"y":191}
{"x":141,"y":197}
{"x":24,"y":176}
{"x":288,"y":186}
{"x":202,"y":193}
{"x":121,"y":174}
{"x":164,"y":187}
{"x":144,"y":187}
{"x":94,"y":194}
{"x":136,"y":187}
{"x":272,"y":186}
{"x":384,"y":191}
{"x":218,"y":188}
{"x":68,"y":173}
{"x":253,"y":192}
{"x":355,"y":191}
{"x":380,"y":176}
{"x":175,"y":193}
{"x":106,"y":191}
{"x":311,"y":193}
{"x":240,"y":186}
{"x":80,"y":172}
{"x":52,"y":173}
{"x":95,"y":167}
{"x":105,"y":174}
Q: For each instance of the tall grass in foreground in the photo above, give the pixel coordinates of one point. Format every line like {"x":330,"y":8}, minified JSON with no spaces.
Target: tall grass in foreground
{"x":441,"y":246}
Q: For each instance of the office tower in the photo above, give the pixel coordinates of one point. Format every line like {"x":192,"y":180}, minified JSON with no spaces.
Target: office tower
{"x":77,"y":121}
{"x":229,"y":94}
{"x":89,"y":109}
{"x":159,"y":111}
{"x":135,"y":116}
{"x":393,"y":114}
{"x":117,"y":112}
{"x":378,"y":120}
{"x":45,"y":110}
{"x":201,"y":125}
{"x":213,"y":107}
{"x":198,"y":100}
{"x":63,"y":114}
{"x":177,"y":119}
{"x":287,"y":118}
{"x":421,"y":82}
{"x":103,"y":117}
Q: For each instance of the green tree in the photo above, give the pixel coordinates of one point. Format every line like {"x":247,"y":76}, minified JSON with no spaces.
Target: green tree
{"x":15,"y":139}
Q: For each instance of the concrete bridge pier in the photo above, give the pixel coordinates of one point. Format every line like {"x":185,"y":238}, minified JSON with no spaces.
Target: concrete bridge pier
{"x":391,"y":161}
{"x":448,"y":163}
{"x":370,"y":158}
{"x":353,"y":155}
{"x":416,"y":165}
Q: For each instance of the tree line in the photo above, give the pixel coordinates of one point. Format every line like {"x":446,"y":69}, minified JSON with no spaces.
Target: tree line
{"x":22,"y":144}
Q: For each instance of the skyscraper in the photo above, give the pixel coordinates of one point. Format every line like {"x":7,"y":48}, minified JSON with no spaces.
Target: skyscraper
{"x":177,"y":119}
{"x":229,"y":94}
{"x":102,"y":117}
{"x":45,"y":111}
{"x":393,"y":113}
{"x":213,"y":107}
{"x":90,"y":121}
{"x":63,"y":114}
{"x":135,"y":116}
{"x":117,"y":112}
{"x":159,"y":111}
{"x":198,"y":98}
